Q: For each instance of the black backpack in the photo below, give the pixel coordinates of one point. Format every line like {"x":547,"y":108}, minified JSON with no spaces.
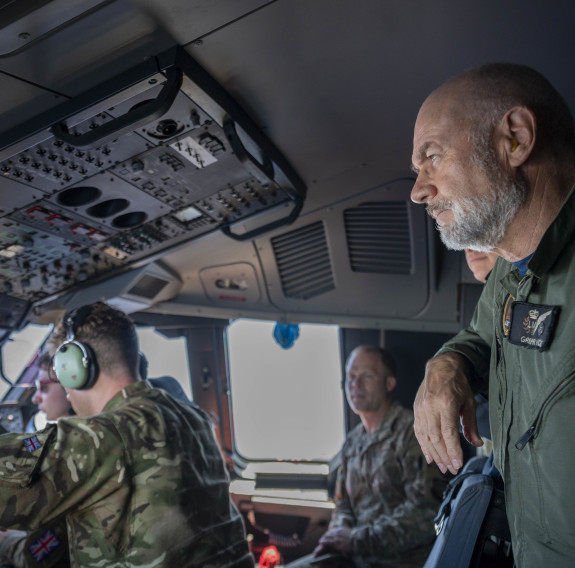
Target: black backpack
{"x":471,"y":525}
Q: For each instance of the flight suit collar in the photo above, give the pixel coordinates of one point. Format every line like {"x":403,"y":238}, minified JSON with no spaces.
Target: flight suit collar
{"x":558,"y":235}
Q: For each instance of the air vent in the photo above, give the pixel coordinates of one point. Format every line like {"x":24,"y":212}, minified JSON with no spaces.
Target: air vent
{"x":378,"y":237}
{"x":303,"y":262}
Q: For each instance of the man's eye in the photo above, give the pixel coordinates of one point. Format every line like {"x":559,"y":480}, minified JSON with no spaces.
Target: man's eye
{"x":433,"y":158}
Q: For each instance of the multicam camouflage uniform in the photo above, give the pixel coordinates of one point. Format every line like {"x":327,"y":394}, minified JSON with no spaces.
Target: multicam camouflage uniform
{"x":141,"y":484}
{"x":388,"y":494}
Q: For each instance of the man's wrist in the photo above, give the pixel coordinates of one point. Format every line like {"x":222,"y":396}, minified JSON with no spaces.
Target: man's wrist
{"x":465,"y":365}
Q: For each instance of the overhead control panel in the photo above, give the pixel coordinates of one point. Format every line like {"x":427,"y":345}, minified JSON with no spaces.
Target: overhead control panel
{"x":146,"y":162}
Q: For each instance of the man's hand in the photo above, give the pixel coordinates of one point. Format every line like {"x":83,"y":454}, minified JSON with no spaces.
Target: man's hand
{"x":442,"y":399}
{"x":5,"y":533}
{"x":9,"y":538}
{"x":338,"y":540}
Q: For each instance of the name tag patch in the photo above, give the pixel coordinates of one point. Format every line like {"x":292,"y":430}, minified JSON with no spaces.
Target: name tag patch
{"x":532,"y":325}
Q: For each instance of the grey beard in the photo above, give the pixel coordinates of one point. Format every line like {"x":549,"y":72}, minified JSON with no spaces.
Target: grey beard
{"x":480,"y":222}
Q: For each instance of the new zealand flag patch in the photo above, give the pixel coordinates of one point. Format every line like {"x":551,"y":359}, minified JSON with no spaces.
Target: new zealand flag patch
{"x":532,"y":325}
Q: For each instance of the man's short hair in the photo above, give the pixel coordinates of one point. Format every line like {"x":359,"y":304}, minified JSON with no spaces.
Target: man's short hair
{"x":494,"y":88}
{"x":111,"y":335}
{"x":44,"y":361}
{"x":386,"y":358}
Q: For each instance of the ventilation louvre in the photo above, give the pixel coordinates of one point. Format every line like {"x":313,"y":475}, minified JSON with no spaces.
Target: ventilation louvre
{"x":303,"y":262}
{"x":378,"y":237}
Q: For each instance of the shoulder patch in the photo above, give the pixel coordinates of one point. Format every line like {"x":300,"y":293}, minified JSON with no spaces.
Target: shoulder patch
{"x":506,"y":315}
{"x":32,"y":444}
{"x":44,"y":545}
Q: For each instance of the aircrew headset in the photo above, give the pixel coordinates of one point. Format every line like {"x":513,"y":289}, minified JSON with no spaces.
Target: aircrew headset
{"x":75,"y":364}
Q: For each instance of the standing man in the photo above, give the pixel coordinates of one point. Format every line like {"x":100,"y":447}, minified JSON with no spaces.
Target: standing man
{"x":494,"y":152}
{"x":137,"y":476}
{"x":386,"y":495}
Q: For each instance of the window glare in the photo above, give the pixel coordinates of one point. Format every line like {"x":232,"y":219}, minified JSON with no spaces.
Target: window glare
{"x":18,"y":351}
{"x":287,"y":404}
{"x":165,"y":356}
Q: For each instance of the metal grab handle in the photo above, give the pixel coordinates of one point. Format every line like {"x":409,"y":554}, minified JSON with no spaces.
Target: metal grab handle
{"x":264,"y":173}
{"x":226,"y":229}
{"x":138,"y":116}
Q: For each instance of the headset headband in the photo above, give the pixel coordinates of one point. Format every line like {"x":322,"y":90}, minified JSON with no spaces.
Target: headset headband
{"x":74,"y":319}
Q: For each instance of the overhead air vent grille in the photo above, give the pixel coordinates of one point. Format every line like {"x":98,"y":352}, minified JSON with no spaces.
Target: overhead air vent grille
{"x":378,"y":237}
{"x":303,"y":262}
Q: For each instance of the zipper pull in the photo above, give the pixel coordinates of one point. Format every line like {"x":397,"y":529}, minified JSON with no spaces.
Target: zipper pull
{"x":522,"y":442}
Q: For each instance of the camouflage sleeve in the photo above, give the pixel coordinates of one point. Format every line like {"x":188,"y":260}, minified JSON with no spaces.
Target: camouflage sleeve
{"x":45,"y":475}
{"x":12,"y":548}
{"x":343,"y":515}
{"x":410,"y":524}
{"x":46,"y":547}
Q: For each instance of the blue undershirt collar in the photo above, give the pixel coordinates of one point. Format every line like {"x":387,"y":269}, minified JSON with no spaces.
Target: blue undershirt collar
{"x":521,"y":265}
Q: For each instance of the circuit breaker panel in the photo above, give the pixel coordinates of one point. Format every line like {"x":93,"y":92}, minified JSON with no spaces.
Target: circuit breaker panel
{"x":144,"y":163}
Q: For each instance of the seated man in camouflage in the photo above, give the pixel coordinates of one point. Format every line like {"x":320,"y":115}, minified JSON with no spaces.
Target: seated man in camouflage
{"x":50,"y":398}
{"x":136,"y":478}
{"x":386,"y":496}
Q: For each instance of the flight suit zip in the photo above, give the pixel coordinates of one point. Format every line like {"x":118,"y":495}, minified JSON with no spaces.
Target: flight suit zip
{"x":531,"y":431}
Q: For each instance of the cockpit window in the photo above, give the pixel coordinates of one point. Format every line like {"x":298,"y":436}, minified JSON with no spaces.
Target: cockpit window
{"x":165,"y":356}
{"x":19,"y":350}
{"x":287,"y":403}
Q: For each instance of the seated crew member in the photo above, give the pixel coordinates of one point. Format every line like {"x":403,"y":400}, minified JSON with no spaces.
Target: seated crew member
{"x":54,"y":403}
{"x":50,"y":398}
{"x":137,"y":475}
{"x":480,"y":263}
{"x":386,"y":496}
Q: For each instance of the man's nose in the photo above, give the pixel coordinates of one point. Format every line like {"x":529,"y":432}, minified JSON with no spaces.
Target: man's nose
{"x":422,"y":191}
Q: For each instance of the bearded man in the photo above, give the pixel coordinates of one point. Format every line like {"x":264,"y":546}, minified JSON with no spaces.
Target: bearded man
{"x":494,"y":153}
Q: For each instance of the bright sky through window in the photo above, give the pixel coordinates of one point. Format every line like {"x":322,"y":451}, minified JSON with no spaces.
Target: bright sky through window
{"x":165,"y":356}
{"x":287,"y":404}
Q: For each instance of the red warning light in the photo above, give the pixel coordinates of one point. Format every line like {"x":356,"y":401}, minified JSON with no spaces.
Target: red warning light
{"x":269,"y":558}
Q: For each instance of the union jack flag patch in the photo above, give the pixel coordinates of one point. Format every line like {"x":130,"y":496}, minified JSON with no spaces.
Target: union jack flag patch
{"x":44,"y":546}
{"x":32,"y":443}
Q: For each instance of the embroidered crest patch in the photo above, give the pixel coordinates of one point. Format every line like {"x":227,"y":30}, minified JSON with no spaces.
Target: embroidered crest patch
{"x":532,"y":325}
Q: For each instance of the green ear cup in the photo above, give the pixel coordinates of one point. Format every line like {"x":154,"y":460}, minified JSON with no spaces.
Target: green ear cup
{"x":73,"y":366}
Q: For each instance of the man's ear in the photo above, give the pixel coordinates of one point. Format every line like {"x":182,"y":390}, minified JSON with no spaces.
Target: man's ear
{"x":390,"y":383}
{"x":515,"y":135}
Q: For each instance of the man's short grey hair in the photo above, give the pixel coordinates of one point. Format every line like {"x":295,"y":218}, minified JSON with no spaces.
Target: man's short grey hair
{"x":386,"y":357}
{"x":495,"y":88}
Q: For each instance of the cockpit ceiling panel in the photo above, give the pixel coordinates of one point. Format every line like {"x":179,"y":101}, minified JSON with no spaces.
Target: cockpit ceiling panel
{"x":146,"y":162}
